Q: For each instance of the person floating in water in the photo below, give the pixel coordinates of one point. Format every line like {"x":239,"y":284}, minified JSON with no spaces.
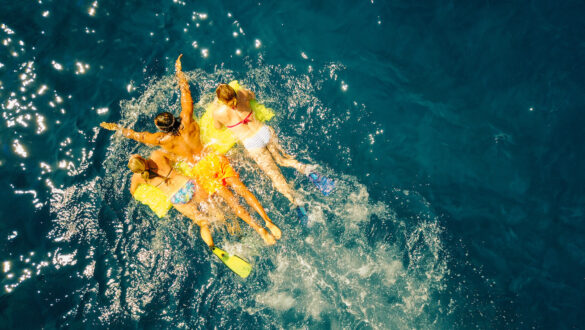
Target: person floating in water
{"x":232,"y":109}
{"x":186,"y":195}
{"x":180,"y":138}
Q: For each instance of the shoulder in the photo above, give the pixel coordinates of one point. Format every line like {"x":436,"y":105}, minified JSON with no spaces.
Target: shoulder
{"x":156,"y":154}
{"x":160,"y":157}
{"x":135,"y":181}
{"x":218,"y":110}
{"x":248,"y":94}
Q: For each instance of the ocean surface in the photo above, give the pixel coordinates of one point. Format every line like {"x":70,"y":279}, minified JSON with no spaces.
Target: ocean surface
{"x":454,"y":130}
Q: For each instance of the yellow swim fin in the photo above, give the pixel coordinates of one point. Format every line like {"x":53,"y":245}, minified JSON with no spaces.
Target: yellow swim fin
{"x":235,"y":263}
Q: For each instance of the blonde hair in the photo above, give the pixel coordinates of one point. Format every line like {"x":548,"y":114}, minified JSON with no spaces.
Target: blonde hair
{"x":137,"y":165}
{"x":225,"y":93}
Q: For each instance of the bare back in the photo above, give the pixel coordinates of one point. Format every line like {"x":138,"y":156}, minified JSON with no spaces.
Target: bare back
{"x":168,"y":180}
{"x":186,"y":144}
{"x":240,"y":121}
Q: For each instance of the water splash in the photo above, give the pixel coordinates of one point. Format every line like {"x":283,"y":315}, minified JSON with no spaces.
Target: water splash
{"x":337,"y":272}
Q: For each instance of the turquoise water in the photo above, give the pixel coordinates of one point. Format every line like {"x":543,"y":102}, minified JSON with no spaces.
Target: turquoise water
{"x":454,"y":131}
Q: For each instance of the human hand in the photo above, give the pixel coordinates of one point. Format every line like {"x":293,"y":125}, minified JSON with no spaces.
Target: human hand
{"x":178,"y":66}
{"x":110,"y":126}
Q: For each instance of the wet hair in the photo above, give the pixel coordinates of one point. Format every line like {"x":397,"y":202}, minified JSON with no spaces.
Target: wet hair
{"x":225,"y":93}
{"x":137,"y":165}
{"x":166,"y":122}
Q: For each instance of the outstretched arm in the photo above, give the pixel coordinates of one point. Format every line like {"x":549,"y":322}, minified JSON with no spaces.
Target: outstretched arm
{"x":142,"y":137}
{"x":186,"y":100}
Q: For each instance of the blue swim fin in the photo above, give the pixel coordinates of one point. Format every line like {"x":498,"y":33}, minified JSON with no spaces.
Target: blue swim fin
{"x":302,"y":214}
{"x":324,"y":184}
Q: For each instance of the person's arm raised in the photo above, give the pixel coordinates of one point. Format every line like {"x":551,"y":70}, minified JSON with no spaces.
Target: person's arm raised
{"x":142,"y":137}
{"x":186,"y":100}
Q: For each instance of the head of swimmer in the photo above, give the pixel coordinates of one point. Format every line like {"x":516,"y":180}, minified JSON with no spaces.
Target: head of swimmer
{"x":227,"y":95}
{"x":139,"y":165}
{"x":166,"y":122}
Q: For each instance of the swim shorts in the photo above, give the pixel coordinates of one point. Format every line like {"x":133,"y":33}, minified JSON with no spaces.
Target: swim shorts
{"x":210,"y":172}
{"x":258,"y":140}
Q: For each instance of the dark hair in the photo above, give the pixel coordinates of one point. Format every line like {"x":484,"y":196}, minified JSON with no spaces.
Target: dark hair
{"x":166,"y":122}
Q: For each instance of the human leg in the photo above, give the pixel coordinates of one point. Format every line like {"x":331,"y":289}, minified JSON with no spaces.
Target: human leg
{"x":243,"y":191}
{"x":191,"y":212}
{"x":231,"y":225}
{"x":281,"y":157}
{"x":232,"y":202}
{"x":266,"y":163}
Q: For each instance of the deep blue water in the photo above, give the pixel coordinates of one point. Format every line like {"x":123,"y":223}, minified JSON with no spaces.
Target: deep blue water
{"x":454,"y":130}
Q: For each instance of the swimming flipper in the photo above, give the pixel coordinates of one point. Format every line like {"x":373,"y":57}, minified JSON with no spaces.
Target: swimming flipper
{"x":324,"y":184}
{"x":302,"y":214}
{"x":235,"y":263}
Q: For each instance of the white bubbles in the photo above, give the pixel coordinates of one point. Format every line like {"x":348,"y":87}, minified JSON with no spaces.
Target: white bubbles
{"x":130,"y":87}
{"x":194,"y":44}
{"x":344,"y":86}
{"x":238,"y":52}
{"x":41,"y":127}
{"x":45,"y":168}
{"x":205,"y":52}
{"x":101,"y":111}
{"x":195,"y":15}
{"x":257,"y":43}
{"x":45,"y":13}
{"x":64,"y":259}
{"x":11,"y":104}
{"x":19,"y":149}
{"x":57,"y":66}
{"x":6,"y":29}
{"x":6,"y":266}
{"x":89,"y":269}
{"x":303,"y":55}
{"x":42,"y":90}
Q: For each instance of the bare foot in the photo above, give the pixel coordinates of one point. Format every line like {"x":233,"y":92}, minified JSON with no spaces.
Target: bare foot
{"x":309,"y":168}
{"x":268,"y":239}
{"x":274,"y":230}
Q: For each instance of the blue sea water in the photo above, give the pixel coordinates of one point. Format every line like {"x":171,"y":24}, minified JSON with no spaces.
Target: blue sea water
{"x":454,"y":131}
